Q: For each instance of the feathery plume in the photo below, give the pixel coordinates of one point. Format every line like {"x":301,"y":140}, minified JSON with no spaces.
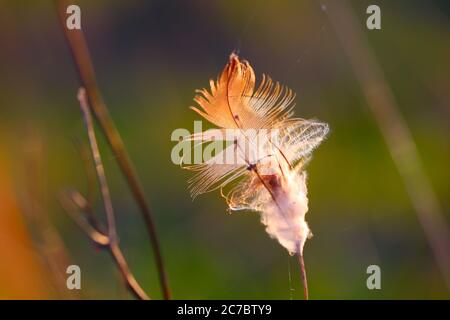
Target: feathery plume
{"x":269,"y":151}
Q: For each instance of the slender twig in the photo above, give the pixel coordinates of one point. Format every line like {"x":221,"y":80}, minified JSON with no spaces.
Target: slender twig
{"x":85,"y":155}
{"x":110,"y":241}
{"x":100,"y":171}
{"x":395,"y":132}
{"x":107,"y":203}
{"x":102,"y":241}
{"x":83,"y":61}
{"x":301,"y":263}
{"x":303,"y":276}
{"x":89,"y":169}
{"x":67,"y":201}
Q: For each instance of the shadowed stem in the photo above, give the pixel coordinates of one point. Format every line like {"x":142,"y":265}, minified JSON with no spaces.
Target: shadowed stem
{"x":83,"y":62}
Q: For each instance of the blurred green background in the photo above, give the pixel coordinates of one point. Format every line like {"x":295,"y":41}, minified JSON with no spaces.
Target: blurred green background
{"x":150,"y":56}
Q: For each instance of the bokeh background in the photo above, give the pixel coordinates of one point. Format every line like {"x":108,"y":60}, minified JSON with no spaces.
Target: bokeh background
{"x":150,"y":56}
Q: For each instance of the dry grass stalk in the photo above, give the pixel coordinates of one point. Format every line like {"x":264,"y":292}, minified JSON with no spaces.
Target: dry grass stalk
{"x":74,"y":201}
{"x":83,"y":62}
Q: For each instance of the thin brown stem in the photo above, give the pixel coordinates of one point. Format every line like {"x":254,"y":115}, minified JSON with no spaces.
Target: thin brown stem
{"x":102,"y":241}
{"x":100,"y":170}
{"x":72,"y":206}
{"x":301,"y":263}
{"x":128,"y":277}
{"x":83,"y":62}
{"x":86,"y":203}
{"x":113,"y":245}
{"x":85,"y":155}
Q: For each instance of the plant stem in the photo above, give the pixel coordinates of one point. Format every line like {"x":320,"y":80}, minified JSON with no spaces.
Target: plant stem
{"x":83,"y":62}
{"x":112,"y":244}
{"x":301,"y":263}
{"x":100,"y":170}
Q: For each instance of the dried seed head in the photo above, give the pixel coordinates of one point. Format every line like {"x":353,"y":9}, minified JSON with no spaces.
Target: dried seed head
{"x":269,"y":150}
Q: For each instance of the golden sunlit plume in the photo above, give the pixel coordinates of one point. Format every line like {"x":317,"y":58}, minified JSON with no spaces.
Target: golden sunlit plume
{"x":269,"y":150}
